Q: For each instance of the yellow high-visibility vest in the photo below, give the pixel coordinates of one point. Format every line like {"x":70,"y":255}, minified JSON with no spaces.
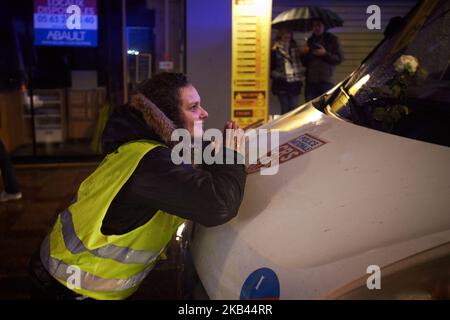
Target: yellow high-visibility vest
{"x":79,"y":256}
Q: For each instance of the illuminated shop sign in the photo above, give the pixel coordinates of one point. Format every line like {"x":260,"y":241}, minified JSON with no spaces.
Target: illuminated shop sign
{"x":250,"y":61}
{"x":65,"y":23}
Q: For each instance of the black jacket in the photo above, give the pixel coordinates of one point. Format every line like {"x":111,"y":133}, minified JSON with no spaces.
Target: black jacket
{"x":280,"y":86}
{"x":209,"y":194}
{"x":320,"y":69}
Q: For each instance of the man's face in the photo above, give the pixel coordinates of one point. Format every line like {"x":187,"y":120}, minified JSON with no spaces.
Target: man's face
{"x":318,"y":27}
{"x":192,"y":112}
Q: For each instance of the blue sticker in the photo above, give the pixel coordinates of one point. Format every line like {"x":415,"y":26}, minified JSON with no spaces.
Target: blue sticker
{"x":306,"y":142}
{"x":261,"y":284}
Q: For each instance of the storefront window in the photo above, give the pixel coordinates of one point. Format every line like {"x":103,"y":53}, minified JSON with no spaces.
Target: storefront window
{"x":70,"y":66}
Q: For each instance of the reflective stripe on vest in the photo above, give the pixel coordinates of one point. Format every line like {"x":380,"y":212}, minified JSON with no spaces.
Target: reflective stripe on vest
{"x":63,"y":271}
{"x":121,"y":254}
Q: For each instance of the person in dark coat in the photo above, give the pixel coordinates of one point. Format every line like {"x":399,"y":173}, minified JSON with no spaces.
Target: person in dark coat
{"x":285,"y":71}
{"x":8,"y":173}
{"x":320,"y":55}
{"x":156,"y":189}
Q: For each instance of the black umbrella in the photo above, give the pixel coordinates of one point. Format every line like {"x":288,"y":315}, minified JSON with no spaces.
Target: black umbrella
{"x":299,"y":19}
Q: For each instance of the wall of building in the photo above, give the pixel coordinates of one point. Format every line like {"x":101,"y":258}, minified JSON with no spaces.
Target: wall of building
{"x":208,"y":56}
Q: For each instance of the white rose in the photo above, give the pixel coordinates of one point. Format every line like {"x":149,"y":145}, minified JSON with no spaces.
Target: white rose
{"x":409,"y":63}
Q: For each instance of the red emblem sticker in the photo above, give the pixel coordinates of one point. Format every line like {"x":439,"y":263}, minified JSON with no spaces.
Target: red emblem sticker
{"x":288,"y":151}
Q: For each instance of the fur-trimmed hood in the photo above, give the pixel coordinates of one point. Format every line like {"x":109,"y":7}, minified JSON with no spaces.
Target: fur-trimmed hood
{"x":138,"y":119}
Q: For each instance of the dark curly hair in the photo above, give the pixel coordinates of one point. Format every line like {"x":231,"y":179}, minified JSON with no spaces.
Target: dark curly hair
{"x":163,"y":89}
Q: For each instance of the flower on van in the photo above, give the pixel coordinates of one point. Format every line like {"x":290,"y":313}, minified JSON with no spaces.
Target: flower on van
{"x":407,"y":71}
{"x":406,"y":63}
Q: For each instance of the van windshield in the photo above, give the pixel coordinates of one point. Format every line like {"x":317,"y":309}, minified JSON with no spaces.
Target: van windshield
{"x":403,"y":87}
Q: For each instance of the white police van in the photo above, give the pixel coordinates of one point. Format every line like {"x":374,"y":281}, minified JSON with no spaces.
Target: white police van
{"x":360,"y":205}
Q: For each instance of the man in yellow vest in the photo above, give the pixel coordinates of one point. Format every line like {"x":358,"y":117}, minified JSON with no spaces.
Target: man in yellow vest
{"x":124,"y":214}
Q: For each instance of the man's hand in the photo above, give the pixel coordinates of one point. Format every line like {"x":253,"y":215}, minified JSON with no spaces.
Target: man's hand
{"x":305,"y":50}
{"x":320,"y":52}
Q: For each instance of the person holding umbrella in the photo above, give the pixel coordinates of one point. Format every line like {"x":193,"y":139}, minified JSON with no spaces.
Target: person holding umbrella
{"x":320,"y":55}
{"x":322,"y":51}
{"x":285,"y":70}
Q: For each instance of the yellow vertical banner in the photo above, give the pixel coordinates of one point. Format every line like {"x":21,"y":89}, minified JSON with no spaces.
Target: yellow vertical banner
{"x":250,"y":61}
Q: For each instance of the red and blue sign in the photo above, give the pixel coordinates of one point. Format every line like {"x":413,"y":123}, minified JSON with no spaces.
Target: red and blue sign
{"x":290,"y":150}
{"x":261,"y":284}
{"x":65,"y":23}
